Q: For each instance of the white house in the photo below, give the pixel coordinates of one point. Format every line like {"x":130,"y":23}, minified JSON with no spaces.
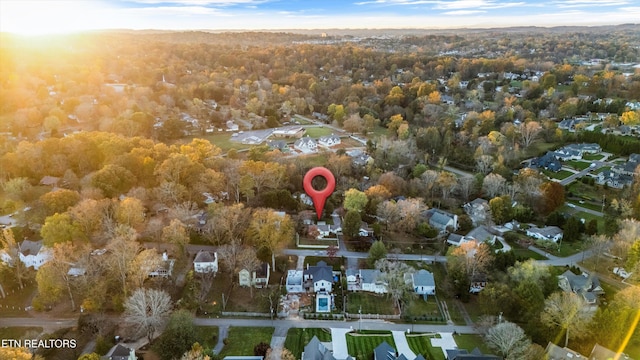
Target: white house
{"x":423,"y":283}
{"x":370,"y":280}
{"x":318,"y":277}
{"x":306,"y":145}
{"x":31,"y":253}
{"x":442,"y":220}
{"x":329,"y":140}
{"x":165,"y":269}
{"x":205,"y":262}
{"x":548,"y":233}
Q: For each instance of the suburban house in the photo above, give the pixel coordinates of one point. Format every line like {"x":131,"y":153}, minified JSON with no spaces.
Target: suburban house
{"x":306,"y":145}
{"x":165,"y":269}
{"x":547,"y":233}
{"x":205,"y":262}
{"x":478,"y":283}
{"x":326,"y":230}
{"x":278,"y":145}
{"x":475,"y":354}
{"x":384,"y":351}
{"x":316,"y":350}
{"x":478,"y":210}
{"x":119,"y":352}
{"x":365,"y":230}
{"x":547,"y":161}
{"x":231,"y":126}
{"x":441,"y":220}
{"x":289,"y":132}
{"x":50,"y":181}
{"x":329,"y":140}
{"x":585,"y":285}
{"x":358,"y":157}
{"x":614,"y":179}
{"x":555,"y":352}
{"x":318,"y":277}
{"x":423,"y":283}
{"x":258,"y":278}
{"x":600,"y":352}
{"x":366,"y":280}
{"x":478,"y":234}
{"x":31,"y":253}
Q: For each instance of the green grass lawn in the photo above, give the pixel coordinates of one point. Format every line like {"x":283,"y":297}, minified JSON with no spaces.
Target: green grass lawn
{"x":242,"y":340}
{"x":578,"y":165}
{"x":371,"y":303}
{"x":223,"y":141}
{"x":526,"y":253}
{"x":421,"y":344}
{"x":604,"y":168}
{"x":207,"y":336}
{"x":298,"y":338}
{"x":562,"y":174}
{"x":470,"y":342}
{"x":537,"y":149}
{"x":592,"y":157}
{"x":316,"y":132}
{"x":361,"y":346}
{"x":418,"y":307}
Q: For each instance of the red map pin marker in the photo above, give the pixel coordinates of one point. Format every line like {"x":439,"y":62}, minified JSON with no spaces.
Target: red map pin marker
{"x":319,"y":196}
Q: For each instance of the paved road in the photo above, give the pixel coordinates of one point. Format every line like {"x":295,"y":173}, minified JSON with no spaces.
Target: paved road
{"x":364,"y":255}
{"x":458,"y":171}
{"x":568,"y":180}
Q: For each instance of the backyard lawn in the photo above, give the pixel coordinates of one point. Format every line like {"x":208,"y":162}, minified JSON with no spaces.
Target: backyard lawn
{"x":421,"y":344}
{"x":361,"y":345}
{"x":470,"y":342}
{"x":371,"y":303}
{"x":424,"y":310}
{"x":316,"y":132}
{"x":223,"y":141}
{"x":242,"y":340}
{"x":592,"y":157}
{"x":562,"y":174}
{"x":298,"y":338}
{"x":17,"y":300}
{"x":207,"y":336}
{"x":578,"y":165}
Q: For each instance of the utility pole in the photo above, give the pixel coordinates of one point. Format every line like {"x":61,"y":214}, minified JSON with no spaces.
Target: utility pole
{"x":360,"y":321}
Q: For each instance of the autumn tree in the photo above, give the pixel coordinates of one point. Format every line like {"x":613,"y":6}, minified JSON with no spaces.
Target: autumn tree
{"x":59,"y":201}
{"x":147,"y":311}
{"x":270,"y":230}
{"x":57,"y":279}
{"x":12,"y":249}
{"x":176,"y":233}
{"x":144,"y":262}
{"x":123,"y":248}
{"x":631,"y":117}
{"x":615,"y":323}
{"x":130,"y":211}
{"x":355,"y":200}
{"x":568,"y":311}
{"x":493,"y":185}
{"x":178,"y":337}
{"x":377,"y":251}
{"x":552,"y":196}
{"x":501,"y":210}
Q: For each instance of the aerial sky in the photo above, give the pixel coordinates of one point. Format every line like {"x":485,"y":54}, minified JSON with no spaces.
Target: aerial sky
{"x":60,"y":16}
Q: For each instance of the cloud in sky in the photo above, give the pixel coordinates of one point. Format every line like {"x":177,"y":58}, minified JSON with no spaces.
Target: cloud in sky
{"x":41,"y":16}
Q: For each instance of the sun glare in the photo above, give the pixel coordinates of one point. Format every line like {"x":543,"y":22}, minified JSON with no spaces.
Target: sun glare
{"x":43,"y":17}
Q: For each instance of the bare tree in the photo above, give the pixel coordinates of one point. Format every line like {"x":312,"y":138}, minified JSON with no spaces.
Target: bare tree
{"x":568,"y":311}
{"x":122,"y":250}
{"x":249,"y":260}
{"x":392,"y":275}
{"x":529,"y":132}
{"x":493,"y":185}
{"x":484,"y":164}
{"x":229,"y":256}
{"x":509,"y":340}
{"x":147,"y":310}
{"x":466,"y":186}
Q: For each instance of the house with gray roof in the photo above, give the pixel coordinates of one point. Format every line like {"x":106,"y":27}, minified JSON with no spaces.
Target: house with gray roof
{"x":423,"y":283}
{"x":119,"y":352}
{"x":318,"y":277}
{"x":547,"y":233}
{"x":31,"y":254}
{"x":585,"y":285}
{"x":329,"y":140}
{"x":306,"y":145}
{"x":441,"y":220}
{"x":316,"y":350}
{"x":600,"y":352}
{"x":481,"y":234}
{"x":278,"y":145}
{"x":366,"y":280}
{"x":384,"y":351}
{"x":478,"y":210}
{"x":555,"y":352}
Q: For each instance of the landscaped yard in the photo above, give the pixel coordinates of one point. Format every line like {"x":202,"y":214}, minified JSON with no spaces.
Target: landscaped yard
{"x":361,"y":345}
{"x":592,"y":157}
{"x":421,"y":344}
{"x":424,"y":310}
{"x":17,"y":300}
{"x":371,"y":303}
{"x":562,"y":174}
{"x":316,"y":132}
{"x":578,"y":165}
{"x":207,"y":336}
{"x":242,"y":340}
{"x":298,"y":338}
{"x":470,"y":342}
{"x":223,"y":141}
